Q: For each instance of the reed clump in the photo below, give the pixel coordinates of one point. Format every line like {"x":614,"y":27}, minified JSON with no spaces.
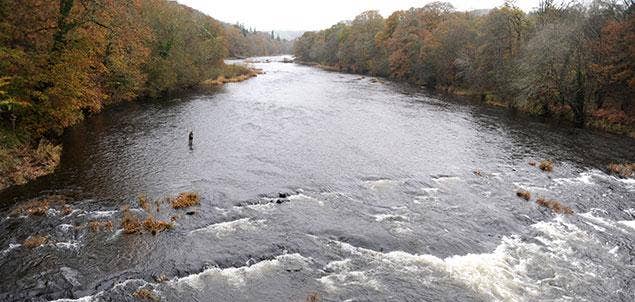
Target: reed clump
{"x":145,"y":294}
{"x":313,"y":297}
{"x":155,"y":226}
{"x":554,"y":205}
{"x":626,"y":170}
{"x":34,"y":241}
{"x":38,"y":208}
{"x":185,"y":200}
{"x":130,"y":223}
{"x":546,"y":165}
{"x":144,"y":203}
{"x":98,"y":226}
{"x":524,"y":194}
{"x":67,"y":210}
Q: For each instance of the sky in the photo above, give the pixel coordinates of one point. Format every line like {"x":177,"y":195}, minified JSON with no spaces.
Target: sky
{"x":266,"y":15}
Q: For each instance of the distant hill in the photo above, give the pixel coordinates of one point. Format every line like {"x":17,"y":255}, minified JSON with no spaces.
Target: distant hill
{"x":479,"y":12}
{"x":288,"y":34}
{"x":247,"y":42}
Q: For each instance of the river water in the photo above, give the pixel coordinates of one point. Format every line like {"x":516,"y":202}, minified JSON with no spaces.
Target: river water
{"x":384,"y":204}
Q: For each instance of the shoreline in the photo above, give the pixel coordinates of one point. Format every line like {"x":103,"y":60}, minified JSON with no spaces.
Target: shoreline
{"x":604,"y":125}
{"x":22,"y":161}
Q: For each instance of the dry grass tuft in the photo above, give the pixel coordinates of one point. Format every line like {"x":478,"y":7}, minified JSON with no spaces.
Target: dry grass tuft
{"x":130,"y":222}
{"x":185,"y":200}
{"x":554,"y":205}
{"x":161,"y":278}
{"x":155,"y":226}
{"x":524,"y":194}
{"x":145,"y":294}
{"x":533,"y":163}
{"x":546,"y":165}
{"x":313,"y":297}
{"x":97,"y":226}
{"x":34,"y":241}
{"x":66,"y":210}
{"x":622,"y":170}
{"x":38,"y":208}
{"x":144,"y":203}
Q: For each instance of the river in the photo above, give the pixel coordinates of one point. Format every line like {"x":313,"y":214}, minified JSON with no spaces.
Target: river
{"x":395,"y":195}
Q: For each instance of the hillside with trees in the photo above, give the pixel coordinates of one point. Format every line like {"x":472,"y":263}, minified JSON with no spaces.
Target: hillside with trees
{"x":63,"y":60}
{"x":570,"y":61}
{"x":244,"y":42}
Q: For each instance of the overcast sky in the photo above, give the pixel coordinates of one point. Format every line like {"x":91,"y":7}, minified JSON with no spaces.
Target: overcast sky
{"x":268,"y":15}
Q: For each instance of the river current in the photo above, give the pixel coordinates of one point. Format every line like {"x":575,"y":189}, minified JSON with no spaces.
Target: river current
{"x":324,"y":186}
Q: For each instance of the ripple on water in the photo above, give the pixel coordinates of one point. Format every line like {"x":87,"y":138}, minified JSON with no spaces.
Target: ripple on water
{"x":223,"y":229}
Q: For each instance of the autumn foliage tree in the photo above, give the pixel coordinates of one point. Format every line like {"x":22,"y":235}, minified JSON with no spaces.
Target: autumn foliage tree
{"x":568,"y":59}
{"x":61,"y":60}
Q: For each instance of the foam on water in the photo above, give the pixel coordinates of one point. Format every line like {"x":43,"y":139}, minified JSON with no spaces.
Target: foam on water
{"x":11,"y":247}
{"x":443,"y":179}
{"x":69,"y":245}
{"x":65,"y":227}
{"x":301,"y":196}
{"x":389,"y":217}
{"x":382,"y":184}
{"x":99,"y":296}
{"x":583,"y":178}
{"x":628,"y":223}
{"x":225,"y":228}
{"x":99,"y":214}
{"x":517,"y":269}
{"x":236,"y":276}
{"x":599,"y":223}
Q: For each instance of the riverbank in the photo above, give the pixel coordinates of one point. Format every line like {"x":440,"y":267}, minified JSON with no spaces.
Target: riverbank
{"x":606,"y":119}
{"x":22,"y":161}
{"x":24,"y":158}
{"x":233,"y":74}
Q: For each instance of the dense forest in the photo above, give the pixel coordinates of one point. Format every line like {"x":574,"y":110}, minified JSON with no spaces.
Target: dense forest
{"x":62,"y":60}
{"x":566,"y":60}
